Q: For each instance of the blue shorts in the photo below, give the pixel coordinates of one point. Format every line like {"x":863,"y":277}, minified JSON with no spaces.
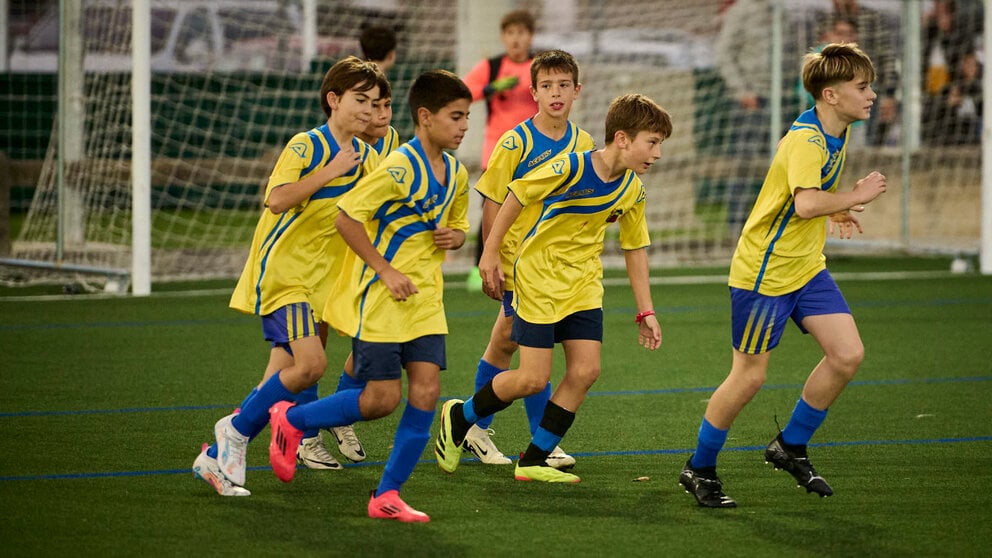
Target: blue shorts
{"x":385,"y":361}
{"x":757,"y":321}
{"x":585,"y":324}
{"x":289,"y":323}
{"x":508,"y":311}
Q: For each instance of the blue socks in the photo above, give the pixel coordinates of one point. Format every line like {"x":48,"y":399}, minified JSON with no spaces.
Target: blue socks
{"x":711,"y":440}
{"x":212,"y":450}
{"x":346,"y":382}
{"x":334,"y":410}
{"x":254,"y":413}
{"x":483,"y":375}
{"x":412,"y":435}
{"x":535,"y":405}
{"x":308,"y":395}
{"x":804,"y":422}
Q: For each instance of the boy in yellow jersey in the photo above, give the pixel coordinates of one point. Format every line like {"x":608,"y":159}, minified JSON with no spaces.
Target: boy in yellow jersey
{"x":778,"y":273}
{"x":555,"y":86}
{"x":558,"y":287}
{"x":399,"y":222}
{"x":384,"y":139}
{"x":294,"y":253}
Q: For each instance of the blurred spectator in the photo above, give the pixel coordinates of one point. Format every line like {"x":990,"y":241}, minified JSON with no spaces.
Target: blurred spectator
{"x":946,"y":39}
{"x":957,"y":112}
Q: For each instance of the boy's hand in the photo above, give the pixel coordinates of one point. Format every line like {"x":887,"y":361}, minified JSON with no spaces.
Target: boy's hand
{"x":500,"y":85}
{"x":344,"y":161}
{"x":448,"y":239}
{"x":869,"y":188}
{"x":844,"y":223}
{"x":491,"y":272}
{"x":649,"y":334}
{"x":399,"y":285}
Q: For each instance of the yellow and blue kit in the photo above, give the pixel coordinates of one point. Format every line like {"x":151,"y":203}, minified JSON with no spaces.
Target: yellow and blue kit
{"x":295,"y":255}
{"x":401,"y":203}
{"x":558,"y":270}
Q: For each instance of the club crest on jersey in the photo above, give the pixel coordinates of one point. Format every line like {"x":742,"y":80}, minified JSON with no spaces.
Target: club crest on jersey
{"x":398,"y":174}
{"x":510,"y":143}
{"x":614,"y":215}
{"x":300,"y":149}
{"x":558,"y":166}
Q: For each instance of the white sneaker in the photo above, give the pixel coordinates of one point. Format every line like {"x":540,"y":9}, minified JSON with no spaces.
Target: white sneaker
{"x":559,"y":459}
{"x":478,"y":442}
{"x":206,"y":469}
{"x":348,"y":444}
{"x":231,"y":449}
{"x":312,"y":453}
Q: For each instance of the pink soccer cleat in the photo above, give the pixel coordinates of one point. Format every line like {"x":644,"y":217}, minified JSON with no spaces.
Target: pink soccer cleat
{"x":285,"y":439}
{"x":390,"y":506}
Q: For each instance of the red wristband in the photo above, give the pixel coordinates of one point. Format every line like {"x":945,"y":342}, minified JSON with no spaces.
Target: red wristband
{"x":641,"y":315}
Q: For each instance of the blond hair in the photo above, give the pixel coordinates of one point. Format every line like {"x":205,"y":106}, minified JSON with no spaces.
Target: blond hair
{"x":836,"y":63}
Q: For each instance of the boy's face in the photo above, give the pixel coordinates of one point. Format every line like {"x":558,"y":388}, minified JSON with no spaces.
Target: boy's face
{"x":555,"y":91}
{"x":643,"y":150}
{"x":516,"y":40}
{"x":852,"y":99}
{"x":382,"y":115}
{"x":446,"y":128}
{"x":352,"y":110}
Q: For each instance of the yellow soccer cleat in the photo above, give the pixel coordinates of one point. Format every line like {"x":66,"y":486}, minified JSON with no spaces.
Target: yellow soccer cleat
{"x":543,"y":473}
{"x":447,"y":452}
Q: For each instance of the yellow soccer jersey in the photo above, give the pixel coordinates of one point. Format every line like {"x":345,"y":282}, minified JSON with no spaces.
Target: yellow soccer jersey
{"x":778,"y":251}
{"x":401,"y":204}
{"x":386,"y":144}
{"x":558,"y":268}
{"x":295,"y":255}
{"x":519,"y":152}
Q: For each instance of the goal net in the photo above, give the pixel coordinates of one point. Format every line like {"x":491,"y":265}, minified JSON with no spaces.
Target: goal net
{"x":233,"y":80}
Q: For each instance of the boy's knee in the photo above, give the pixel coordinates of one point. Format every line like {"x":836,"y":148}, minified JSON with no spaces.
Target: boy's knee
{"x":380,"y":405}
{"x":585,"y":375}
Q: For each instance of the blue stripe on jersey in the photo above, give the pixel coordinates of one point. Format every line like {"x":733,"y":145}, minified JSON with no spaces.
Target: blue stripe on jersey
{"x":331,"y":192}
{"x":318,"y":147}
{"x":790,"y":211}
{"x":274,"y":236}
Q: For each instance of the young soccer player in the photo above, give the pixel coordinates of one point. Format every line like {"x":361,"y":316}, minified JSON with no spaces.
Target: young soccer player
{"x":778,"y":272}
{"x":293,"y":254}
{"x":384,"y":139}
{"x":558,"y":286}
{"x":399,"y":222}
{"x":535,"y":141}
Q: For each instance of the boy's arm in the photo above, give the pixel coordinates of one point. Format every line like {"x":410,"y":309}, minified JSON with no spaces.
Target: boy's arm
{"x":649,"y":334}
{"x":489,"y":264}
{"x":287,"y":196}
{"x":353,"y":233}
{"x":813,"y":202}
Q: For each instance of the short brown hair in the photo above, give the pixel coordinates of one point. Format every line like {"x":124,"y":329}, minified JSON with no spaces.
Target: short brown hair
{"x":633,"y":113}
{"x":837,"y":62}
{"x":348,"y":73}
{"x":435,"y":89}
{"x":551,"y":60}
{"x":518,"y":17}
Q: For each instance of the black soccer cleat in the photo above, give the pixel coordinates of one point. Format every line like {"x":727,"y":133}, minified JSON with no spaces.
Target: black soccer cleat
{"x":705,"y":486}
{"x":794,"y":460}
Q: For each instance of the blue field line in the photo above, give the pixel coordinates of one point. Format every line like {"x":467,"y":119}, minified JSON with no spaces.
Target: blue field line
{"x":666,"y":391}
{"x":670,"y":451}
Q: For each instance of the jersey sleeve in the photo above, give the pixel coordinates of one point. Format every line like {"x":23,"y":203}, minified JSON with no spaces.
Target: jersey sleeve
{"x":383,"y":185}
{"x":458,"y":217}
{"x":294,"y":158}
{"x":805,"y":156}
{"x":542,"y":182}
{"x":633,"y":222}
{"x":502,"y":163}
